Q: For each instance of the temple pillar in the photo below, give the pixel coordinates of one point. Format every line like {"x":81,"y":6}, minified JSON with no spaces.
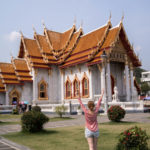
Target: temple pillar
{"x":108,"y":81}
{"x":132,"y":81}
{"x":127,"y":81}
{"x":62,"y":86}
{"x":90,"y":84}
{"x":103,"y":86}
{"x":35,"y":92}
{"x":7,"y":98}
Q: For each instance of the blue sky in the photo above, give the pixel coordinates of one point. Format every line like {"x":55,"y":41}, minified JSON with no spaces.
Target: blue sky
{"x":59,"y":15}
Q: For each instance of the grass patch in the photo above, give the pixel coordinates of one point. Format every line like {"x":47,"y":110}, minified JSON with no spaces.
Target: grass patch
{"x":72,"y":138}
{"x":9,"y":123}
{"x":10,"y":116}
{"x":60,"y":119}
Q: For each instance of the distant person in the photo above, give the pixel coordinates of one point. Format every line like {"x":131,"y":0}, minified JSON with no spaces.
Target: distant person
{"x":91,"y":125}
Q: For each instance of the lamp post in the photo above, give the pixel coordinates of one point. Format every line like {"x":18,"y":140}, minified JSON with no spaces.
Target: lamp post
{"x":103,"y":79}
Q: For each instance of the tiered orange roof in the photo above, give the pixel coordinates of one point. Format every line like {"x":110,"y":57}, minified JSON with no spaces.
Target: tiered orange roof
{"x":45,"y":48}
{"x":60,"y":40}
{"x":2,"y":87}
{"x":34,"y":54}
{"x":109,"y":41}
{"x":70,"y":48}
{"x":87,"y":43}
{"x":8,"y":74}
{"x":22,"y":70}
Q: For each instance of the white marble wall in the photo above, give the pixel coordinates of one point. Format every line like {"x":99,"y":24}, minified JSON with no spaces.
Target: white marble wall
{"x":2,"y":98}
{"x":27,"y":92}
{"x":55,"y":85}
{"x":96,"y":80}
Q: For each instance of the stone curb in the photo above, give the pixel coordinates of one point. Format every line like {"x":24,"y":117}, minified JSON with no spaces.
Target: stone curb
{"x":13,"y":145}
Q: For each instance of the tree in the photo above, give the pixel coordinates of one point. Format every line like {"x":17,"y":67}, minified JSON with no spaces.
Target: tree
{"x":145,"y":88}
{"x":137,"y":73}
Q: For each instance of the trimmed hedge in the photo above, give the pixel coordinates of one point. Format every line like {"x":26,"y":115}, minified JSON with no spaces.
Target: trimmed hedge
{"x":116,"y":113}
{"x":36,"y":108}
{"x":33,"y":121}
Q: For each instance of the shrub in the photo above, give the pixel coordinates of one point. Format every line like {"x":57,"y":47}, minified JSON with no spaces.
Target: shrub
{"x":133,"y":139}
{"x":116,"y":113}
{"x":60,"y":110}
{"x":33,"y":121}
{"x":15,"y":111}
{"x":36,"y":108}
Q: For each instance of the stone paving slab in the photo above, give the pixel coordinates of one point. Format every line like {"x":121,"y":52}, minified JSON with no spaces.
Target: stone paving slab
{"x":9,"y":145}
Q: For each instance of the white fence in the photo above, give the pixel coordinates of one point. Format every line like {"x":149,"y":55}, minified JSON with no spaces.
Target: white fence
{"x":7,"y":108}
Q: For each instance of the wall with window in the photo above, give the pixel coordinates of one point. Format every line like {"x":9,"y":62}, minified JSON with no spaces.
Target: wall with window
{"x":42,"y":84}
{"x":77,"y":80}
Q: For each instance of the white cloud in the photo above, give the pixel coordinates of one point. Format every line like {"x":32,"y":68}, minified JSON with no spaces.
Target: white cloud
{"x":13,"y":36}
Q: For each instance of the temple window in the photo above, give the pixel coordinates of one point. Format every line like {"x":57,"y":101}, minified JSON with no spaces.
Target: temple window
{"x":68,"y":88}
{"x":76,"y":87}
{"x":42,"y":90}
{"x":85,"y":86}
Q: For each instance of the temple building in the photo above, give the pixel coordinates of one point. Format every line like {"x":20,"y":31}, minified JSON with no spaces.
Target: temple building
{"x":55,"y":67}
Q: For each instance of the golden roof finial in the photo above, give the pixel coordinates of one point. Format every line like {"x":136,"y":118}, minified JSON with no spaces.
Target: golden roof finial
{"x":109,"y":17}
{"x":43,"y":24}
{"x":34,"y":29}
{"x":21,"y":33}
{"x":74,"y":22}
{"x":12,"y":58}
{"x":81,"y":25}
{"x":122,"y":17}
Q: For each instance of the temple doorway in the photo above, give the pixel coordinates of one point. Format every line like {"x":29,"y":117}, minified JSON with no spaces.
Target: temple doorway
{"x":14,"y":96}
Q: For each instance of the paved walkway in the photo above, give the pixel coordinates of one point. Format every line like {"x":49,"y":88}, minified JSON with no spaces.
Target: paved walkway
{"x":79,"y":120}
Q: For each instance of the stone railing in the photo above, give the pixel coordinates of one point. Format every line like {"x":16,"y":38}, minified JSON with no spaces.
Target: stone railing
{"x":7,"y":108}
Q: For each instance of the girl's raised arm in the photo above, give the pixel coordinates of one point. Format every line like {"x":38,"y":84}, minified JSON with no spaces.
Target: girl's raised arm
{"x":99,"y":101}
{"x":81,"y":104}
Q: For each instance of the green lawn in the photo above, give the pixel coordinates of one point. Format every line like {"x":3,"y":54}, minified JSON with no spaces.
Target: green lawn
{"x":18,"y":117}
{"x":9,"y":116}
{"x":72,"y":138}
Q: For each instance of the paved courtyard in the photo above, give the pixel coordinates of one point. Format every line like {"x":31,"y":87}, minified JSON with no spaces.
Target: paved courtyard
{"x":78,"y":121}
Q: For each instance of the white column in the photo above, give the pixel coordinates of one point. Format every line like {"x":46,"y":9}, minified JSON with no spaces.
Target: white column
{"x":34,"y":85}
{"x":7,"y":97}
{"x":109,"y":93}
{"x":90,"y":85}
{"x":132,"y":81}
{"x":103,"y":86}
{"x":62,"y":87}
{"x":127,"y":82}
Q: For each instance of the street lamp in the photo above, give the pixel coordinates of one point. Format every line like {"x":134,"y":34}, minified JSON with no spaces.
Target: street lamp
{"x":103,"y":79}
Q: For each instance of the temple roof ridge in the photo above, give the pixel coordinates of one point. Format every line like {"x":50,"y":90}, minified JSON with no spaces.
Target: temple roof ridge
{"x":95,"y":30}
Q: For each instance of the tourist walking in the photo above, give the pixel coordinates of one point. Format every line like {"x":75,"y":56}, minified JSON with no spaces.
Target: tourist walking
{"x":91,"y":125}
